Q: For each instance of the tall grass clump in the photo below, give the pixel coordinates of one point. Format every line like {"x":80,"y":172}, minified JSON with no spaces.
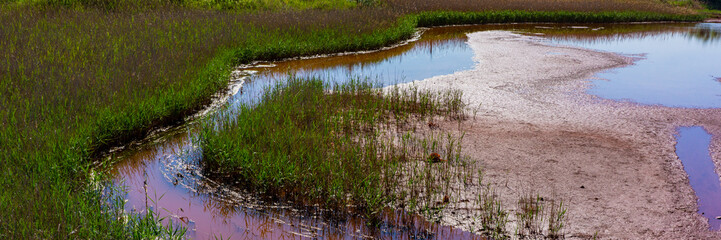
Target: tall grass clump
{"x":538,"y":218}
{"x":534,"y":217}
{"x":539,"y":5}
{"x":493,"y":215}
{"x":439,"y":18}
{"x":312,"y":142}
{"x":241,"y":5}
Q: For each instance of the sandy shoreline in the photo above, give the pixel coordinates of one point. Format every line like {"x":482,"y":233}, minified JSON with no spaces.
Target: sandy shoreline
{"x":537,"y":129}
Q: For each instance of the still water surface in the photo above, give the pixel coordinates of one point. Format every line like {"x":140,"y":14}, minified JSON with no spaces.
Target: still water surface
{"x":693,"y":149}
{"x":678,"y":67}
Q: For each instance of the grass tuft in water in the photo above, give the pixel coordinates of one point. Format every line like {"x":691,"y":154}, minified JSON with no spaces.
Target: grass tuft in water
{"x":339,"y":145}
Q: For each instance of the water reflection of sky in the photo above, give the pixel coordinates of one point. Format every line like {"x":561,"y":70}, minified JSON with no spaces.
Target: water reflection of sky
{"x":678,"y":68}
{"x":693,"y":150}
{"x":437,"y":53}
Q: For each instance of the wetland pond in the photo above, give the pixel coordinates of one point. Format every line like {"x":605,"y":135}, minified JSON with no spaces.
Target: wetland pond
{"x":677,"y":65}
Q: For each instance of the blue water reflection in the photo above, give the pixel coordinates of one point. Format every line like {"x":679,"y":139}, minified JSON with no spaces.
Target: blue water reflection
{"x":679,"y":67}
{"x":693,"y":150}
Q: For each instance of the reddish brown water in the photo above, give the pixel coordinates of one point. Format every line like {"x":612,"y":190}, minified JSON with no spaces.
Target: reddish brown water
{"x":163,"y":174}
{"x":166,"y":178}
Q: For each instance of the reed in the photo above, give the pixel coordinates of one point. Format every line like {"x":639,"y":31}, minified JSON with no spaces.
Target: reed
{"x":239,"y":5}
{"x":539,"y":5}
{"x":312,"y":142}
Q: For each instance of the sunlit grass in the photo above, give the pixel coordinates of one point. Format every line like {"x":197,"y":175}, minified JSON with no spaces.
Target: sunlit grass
{"x":76,"y":80}
{"x":339,"y":145}
{"x":243,"y":5}
{"x":540,"y":5}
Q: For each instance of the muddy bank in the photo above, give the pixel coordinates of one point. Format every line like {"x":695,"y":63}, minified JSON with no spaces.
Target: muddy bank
{"x":537,"y":131}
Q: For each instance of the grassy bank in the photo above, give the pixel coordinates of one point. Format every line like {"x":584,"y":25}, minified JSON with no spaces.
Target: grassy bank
{"x":440,"y":18}
{"x":242,"y":5}
{"x":79,"y":79}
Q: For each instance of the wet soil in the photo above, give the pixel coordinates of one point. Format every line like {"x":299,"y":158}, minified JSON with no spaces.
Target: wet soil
{"x":538,"y":131}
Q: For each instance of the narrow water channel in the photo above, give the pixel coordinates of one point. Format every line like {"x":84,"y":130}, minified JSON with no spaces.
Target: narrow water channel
{"x":692,"y":148}
{"x":163,"y":173}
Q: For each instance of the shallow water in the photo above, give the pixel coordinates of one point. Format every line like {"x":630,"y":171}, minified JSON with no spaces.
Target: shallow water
{"x":163,"y":174}
{"x":440,"y":51}
{"x":693,"y":149}
{"x":167,"y":179}
{"x":678,"y":66}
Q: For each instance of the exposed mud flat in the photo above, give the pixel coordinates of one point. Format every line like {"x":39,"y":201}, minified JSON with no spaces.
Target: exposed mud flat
{"x":537,"y":131}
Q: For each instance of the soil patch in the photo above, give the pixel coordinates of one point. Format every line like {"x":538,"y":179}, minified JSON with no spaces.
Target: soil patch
{"x":538,"y":131}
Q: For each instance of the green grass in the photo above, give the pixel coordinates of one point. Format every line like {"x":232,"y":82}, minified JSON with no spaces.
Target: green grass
{"x":272,"y":4}
{"x":77,"y":80}
{"x":439,"y":18}
{"x":337,"y":145}
{"x":243,"y":5}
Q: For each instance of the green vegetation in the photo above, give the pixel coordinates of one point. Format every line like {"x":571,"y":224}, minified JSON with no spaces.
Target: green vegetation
{"x":77,"y":79}
{"x":338,"y":145}
{"x":532,"y":211}
{"x":438,"y":18}
{"x":216,"y":4}
{"x":493,"y":217}
{"x":75,"y":83}
{"x":271,"y":4}
{"x":535,"y":217}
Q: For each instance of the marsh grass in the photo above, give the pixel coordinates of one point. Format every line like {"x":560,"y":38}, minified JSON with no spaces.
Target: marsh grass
{"x":312,"y":142}
{"x":529,"y":217}
{"x":76,"y":81}
{"x":539,"y":5}
{"x":407,"y":6}
{"x":240,"y":5}
{"x":540,"y":218}
{"x":493,"y":215}
{"x":556,"y":220}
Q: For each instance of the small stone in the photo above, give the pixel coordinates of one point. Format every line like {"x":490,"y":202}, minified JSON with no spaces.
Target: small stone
{"x":582,"y":186}
{"x":718,"y":217}
{"x":446,"y":199}
{"x":435,"y":158}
